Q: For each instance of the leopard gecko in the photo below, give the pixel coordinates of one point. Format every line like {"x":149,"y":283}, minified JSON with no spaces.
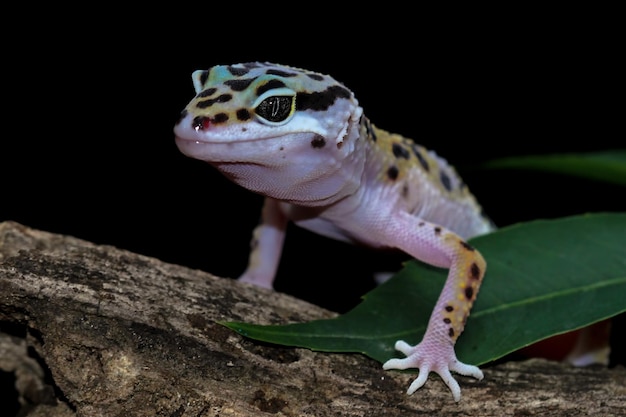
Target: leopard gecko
{"x":300,"y":139}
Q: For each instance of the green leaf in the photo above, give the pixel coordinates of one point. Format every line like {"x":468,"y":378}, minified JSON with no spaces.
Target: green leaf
{"x":544,"y":278}
{"x":608,"y":166}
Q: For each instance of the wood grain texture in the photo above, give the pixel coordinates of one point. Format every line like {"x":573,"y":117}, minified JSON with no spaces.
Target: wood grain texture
{"x":121,"y":334}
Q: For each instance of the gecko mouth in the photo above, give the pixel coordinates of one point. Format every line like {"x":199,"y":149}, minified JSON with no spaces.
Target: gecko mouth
{"x":234,"y":150}
{"x":230,"y":141}
{"x":200,"y":149}
{"x":200,"y":143}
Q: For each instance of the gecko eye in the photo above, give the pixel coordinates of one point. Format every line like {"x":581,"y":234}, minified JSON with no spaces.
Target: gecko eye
{"x":275,"y":106}
{"x":275,"y":109}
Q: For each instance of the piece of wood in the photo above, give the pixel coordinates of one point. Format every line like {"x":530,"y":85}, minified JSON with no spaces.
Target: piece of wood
{"x":121,"y":334}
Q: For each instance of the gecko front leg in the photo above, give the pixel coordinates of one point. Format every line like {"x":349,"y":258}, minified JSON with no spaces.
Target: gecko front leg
{"x":266,"y":246}
{"x":438,"y":246}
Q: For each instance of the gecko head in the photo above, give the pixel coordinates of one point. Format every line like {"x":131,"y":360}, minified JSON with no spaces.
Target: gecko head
{"x":276,"y":130}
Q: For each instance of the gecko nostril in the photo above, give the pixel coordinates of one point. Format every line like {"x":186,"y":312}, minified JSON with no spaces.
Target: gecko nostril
{"x":200,"y":123}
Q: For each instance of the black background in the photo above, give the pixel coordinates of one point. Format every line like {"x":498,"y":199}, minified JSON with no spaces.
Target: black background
{"x":91,"y":99}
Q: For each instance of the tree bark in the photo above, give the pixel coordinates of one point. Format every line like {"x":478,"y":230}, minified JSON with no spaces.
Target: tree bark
{"x":92,"y":330}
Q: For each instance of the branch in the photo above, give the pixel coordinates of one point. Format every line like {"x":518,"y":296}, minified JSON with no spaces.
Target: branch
{"x":121,"y":334}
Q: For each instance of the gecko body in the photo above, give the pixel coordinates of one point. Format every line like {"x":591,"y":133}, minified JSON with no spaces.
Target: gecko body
{"x":300,"y":139}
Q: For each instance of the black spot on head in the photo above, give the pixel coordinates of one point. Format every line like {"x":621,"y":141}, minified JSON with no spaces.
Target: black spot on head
{"x":321,"y":100}
{"x":475,"y":271}
{"x":219,"y":99}
{"x":220,"y":118}
{"x":280,"y":73}
{"x":243,"y":114}
{"x":451,"y":332}
{"x":400,"y":151}
{"x":420,"y":157}
{"x":445,"y":180}
{"x":206,"y":93}
{"x":315,"y":77}
{"x":437,"y":230}
{"x":447,"y":320}
{"x":467,"y":245}
{"x":469,"y":293}
{"x":393,"y":172}
{"x":240,"y":84}
{"x":204,"y":75}
{"x":449,"y":308}
{"x":270,"y":85}
{"x":318,"y":142}
{"x":183,"y":114}
{"x":238,"y":72}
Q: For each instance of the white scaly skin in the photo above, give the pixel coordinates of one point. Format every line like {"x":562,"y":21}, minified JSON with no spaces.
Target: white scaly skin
{"x":300,"y":139}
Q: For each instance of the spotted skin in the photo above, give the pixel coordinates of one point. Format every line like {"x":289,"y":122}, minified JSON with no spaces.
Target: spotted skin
{"x":300,"y":139}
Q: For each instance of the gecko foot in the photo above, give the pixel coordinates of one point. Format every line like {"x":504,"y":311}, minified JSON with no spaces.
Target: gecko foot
{"x":432,"y":357}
